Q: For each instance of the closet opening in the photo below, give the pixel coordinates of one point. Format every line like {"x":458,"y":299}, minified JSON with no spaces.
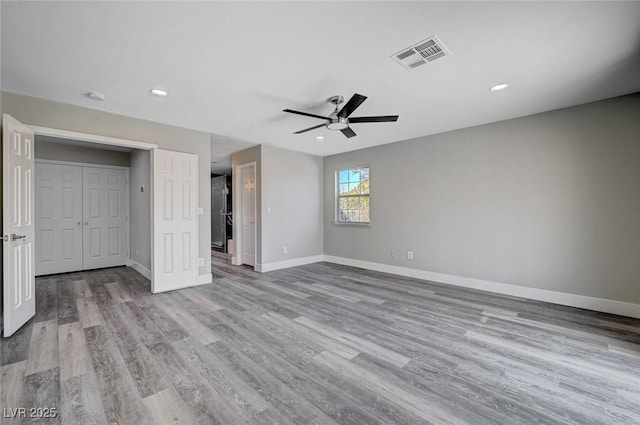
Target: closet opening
{"x":92,"y":206}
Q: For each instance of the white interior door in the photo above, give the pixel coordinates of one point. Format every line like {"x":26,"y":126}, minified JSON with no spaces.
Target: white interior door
{"x":105,"y":206}
{"x":58,"y":218}
{"x":175,"y":220}
{"x":18,"y":238}
{"x":249,"y":215}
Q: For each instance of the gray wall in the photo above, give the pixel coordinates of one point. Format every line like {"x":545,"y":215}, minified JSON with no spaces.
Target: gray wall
{"x":292,"y":189}
{"x":62,"y":152}
{"x":140,"y":201}
{"x":46,"y":113}
{"x":1,"y":218}
{"x":290,"y":184}
{"x":239,"y":158}
{"x":547,"y":201}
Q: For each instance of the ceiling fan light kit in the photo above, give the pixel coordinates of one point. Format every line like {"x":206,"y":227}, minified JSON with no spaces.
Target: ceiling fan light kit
{"x":339,"y":119}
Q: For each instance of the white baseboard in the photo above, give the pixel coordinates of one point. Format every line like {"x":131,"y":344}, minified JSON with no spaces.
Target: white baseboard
{"x":562,"y":298}
{"x":202,"y":279}
{"x":176,"y":288}
{"x":139,"y":268}
{"x":268,"y":267}
{"x":205,"y":278}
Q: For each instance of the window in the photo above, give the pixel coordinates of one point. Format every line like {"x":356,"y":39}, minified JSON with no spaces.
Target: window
{"x":352,"y":202}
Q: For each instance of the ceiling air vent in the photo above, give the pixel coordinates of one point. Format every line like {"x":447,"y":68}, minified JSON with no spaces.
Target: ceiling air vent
{"x":420,"y":53}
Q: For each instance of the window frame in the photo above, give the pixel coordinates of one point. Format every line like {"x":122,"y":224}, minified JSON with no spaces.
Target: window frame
{"x":338,"y":197}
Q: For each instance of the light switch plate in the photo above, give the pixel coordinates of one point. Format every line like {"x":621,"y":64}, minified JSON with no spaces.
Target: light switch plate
{"x":200,"y":262}
{"x":200,"y":211}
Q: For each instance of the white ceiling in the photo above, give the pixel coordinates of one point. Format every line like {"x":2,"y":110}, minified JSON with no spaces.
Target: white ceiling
{"x":221,"y":149}
{"x":231,"y":67}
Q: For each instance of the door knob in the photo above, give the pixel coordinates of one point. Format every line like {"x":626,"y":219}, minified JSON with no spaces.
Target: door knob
{"x":15,"y":237}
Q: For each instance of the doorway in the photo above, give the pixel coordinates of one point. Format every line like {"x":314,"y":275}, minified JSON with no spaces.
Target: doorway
{"x":221,"y":213}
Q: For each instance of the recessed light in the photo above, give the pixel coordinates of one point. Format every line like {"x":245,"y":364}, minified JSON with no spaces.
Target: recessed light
{"x":499,"y":87}
{"x":159,"y":92}
{"x":94,"y":95}
{"x":319,"y":138}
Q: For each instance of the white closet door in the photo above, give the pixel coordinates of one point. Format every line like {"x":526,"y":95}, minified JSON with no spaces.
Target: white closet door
{"x":175,"y":215}
{"x":58,"y":207}
{"x":105,"y":217}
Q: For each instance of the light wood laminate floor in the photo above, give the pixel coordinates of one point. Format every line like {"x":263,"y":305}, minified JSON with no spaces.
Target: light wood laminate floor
{"x":318,"y":344}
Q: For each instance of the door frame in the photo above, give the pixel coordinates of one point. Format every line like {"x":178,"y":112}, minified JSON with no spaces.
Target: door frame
{"x":127,"y":190}
{"x":237,"y":213}
{"x":110,"y":141}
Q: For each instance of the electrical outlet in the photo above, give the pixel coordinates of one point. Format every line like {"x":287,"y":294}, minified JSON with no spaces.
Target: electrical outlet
{"x":200,"y":262}
{"x":394,"y":254}
{"x":409,"y":255}
{"x":285,"y":249}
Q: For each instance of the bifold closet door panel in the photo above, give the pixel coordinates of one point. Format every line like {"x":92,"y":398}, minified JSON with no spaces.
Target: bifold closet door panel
{"x":105,"y":217}
{"x":58,"y":218}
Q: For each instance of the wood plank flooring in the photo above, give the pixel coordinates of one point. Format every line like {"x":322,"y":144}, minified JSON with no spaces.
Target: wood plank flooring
{"x":318,"y":344}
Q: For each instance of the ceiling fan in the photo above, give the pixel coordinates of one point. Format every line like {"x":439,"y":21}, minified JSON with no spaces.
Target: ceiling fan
{"x":340,"y":120}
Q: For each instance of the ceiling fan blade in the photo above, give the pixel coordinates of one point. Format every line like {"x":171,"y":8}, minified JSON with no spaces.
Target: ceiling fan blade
{"x":353,"y":103}
{"x":309,"y":129}
{"x":382,"y":118}
{"x":306,"y":114}
{"x":348,"y":132}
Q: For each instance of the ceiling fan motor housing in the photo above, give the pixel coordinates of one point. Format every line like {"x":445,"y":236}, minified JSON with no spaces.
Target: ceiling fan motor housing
{"x":337,"y":123}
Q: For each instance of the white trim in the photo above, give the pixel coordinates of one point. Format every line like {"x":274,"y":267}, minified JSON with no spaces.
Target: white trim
{"x":267,"y":267}
{"x":139,"y":268}
{"x":184,"y":286}
{"x":554,"y":297}
{"x":92,"y":138}
{"x":81,"y":164}
{"x":205,"y":278}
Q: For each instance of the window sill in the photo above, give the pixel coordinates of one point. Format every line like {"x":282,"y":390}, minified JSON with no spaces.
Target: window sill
{"x":340,"y":224}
